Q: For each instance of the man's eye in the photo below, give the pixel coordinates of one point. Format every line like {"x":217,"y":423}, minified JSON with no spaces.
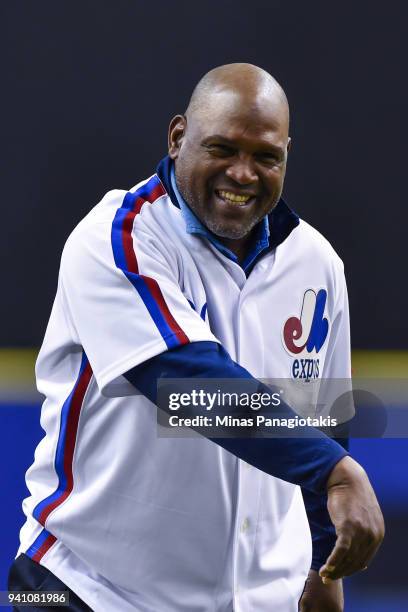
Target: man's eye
{"x":220,"y":150}
{"x":269,"y":158}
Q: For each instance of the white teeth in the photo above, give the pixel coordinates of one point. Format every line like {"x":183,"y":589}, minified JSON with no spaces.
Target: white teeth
{"x":232,"y":197}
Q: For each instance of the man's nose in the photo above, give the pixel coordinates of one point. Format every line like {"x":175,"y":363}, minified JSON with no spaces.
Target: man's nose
{"x":241,"y":171}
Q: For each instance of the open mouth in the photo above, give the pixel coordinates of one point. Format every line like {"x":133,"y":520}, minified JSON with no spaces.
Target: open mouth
{"x":235,"y":199}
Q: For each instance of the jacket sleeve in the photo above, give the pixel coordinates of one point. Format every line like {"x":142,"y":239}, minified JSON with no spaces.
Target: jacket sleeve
{"x":307,"y":460}
{"x":124,"y":307}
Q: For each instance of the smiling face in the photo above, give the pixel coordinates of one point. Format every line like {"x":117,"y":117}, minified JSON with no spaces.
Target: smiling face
{"x":230,"y":158}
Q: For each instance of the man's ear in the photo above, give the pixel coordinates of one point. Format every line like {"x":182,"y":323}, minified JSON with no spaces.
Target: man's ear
{"x":288,"y":145}
{"x":177,"y":130}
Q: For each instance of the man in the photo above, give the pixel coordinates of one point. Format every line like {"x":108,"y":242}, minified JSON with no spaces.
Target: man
{"x":202,"y":271}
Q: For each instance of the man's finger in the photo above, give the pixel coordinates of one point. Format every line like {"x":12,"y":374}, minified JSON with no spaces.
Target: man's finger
{"x":347,"y":566}
{"x":360,"y":566}
{"x":339,"y":553}
{"x":360,"y":555}
{"x":355,"y":560}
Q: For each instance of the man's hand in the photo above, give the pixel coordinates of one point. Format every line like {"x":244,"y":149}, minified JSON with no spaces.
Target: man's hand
{"x":319,"y":597}
{"x":357,"y":518}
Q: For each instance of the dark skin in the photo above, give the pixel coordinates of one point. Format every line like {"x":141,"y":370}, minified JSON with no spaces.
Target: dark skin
{"x":245,"y":156}
{"x":230,"y":150}
{"x":319,"y":597}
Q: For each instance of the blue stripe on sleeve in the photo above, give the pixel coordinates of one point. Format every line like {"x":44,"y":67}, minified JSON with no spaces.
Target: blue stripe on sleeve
{"x":60,"y":450}
{"x":148,"y":289}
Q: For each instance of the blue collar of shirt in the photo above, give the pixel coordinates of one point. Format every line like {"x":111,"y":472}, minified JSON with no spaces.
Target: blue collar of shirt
{"x":271,"y":231}
{"x":194,"y":226}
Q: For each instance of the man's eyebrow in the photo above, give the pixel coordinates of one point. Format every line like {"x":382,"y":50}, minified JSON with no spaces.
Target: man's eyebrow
{"x":216,"y":137}
{"x":265,"y":147}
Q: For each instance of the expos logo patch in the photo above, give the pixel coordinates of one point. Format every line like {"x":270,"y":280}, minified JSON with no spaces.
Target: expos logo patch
{"x":304,"y":336}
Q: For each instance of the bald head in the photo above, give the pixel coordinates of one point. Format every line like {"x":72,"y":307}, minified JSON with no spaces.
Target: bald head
{"x":251,"y":84}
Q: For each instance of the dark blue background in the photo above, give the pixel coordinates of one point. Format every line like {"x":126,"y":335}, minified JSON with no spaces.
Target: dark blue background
{"x":380,"y":589}
{"x":89,"y":88}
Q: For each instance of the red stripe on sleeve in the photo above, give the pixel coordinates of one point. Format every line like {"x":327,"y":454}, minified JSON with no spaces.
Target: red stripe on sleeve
{"x":46,"y":545}
{"x":69,"y":447}
{"x":132,"y":265}
{"x":164,"y":309}
{"x":156,"y":192}
{"x":127,"y":240}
